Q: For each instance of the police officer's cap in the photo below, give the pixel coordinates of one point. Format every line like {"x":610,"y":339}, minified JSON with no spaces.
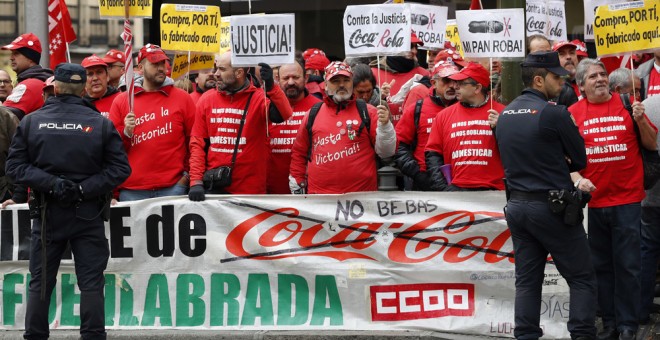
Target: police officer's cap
{"x":546,"y":60}
{"x":70,"y":73}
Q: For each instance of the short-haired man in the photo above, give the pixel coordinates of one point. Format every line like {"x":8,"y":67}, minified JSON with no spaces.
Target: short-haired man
{"x":71,"y":172}
{"x":6,"y":85}
{"x":462,"y":136}
{"x":25,"y":55}
{"x":540,"y":146}
{"x":204,"y":82}
{"x":230,"y":130}
{"x":339,"y":155}
{"x":156,"y":134}
{"x":115,"y":60}
{"x":97,"y":90}
{"x":415,"y":125}
{"x":614,"y":175}
{"x":292,"y":80}
{"x":568,"y":58}
{"x":621,"y":82}
{"x":538,"y":43}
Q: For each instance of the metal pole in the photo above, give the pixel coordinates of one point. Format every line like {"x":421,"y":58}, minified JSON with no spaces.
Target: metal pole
{"x":510,"y":75}
{"x":36,"y":21}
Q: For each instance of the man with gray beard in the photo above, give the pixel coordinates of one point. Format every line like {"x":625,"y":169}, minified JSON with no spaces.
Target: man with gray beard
{"x":292,"y":80}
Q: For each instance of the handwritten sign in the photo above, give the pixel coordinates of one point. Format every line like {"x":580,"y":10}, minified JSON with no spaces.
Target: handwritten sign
{"x":428,"y":22}
{"x":115,"y":9}
{"x":589,"y":13}
{"x":193,"y":28}
{"x":498,"y":33}
{"x":198,"y":62}
{"x":266,"y":38}
{"x":547,"y":18}
{"x":626,"y":27}
{"x":377,"y":29}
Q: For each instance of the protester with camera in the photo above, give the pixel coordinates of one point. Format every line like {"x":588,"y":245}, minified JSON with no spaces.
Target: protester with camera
{"x":229,"y":147}
{"x":615,"y":171}
{"x":157,"y":133}
{"x":71,"y":158}
{"x":540,"y":146}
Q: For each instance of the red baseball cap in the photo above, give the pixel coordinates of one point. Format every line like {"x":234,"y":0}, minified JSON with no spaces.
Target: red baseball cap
{"x":581,"y":48}
{"x":475,"y":71}
{"x":27,"y":40}
{"x":444,"y":69}
{"x":49,"y":82}
{"x":93,"y":60}
{"x":450,"y":54}
{"x":561,"y":44}
{"x":114,"y":56}
{"x":337,"y":68}
{"x":414,"y":39}
{"x":312,"y":51}
{"x":153,"y":53}
{"x":316,"y":62}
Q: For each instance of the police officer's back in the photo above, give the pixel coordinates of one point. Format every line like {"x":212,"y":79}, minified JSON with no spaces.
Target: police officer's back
{"x":540,"y":146}
{"x":71,"y":158}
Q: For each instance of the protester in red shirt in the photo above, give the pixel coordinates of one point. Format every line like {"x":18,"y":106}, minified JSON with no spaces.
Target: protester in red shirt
{"x":230,"y":131}
{"x":97,"y":90}
{"x":157,"y":133}
{"x":204,"y":82}
{"x":614,"y":176}
{"x":396,"y":72}
{"x":342,"y":150}
{"x":315,"y":63}
{"x":116,"y":61}
{"x":649,"y":73}
{"x":413,"y":129}
{"x":27,"y":95}
{"x":462,"y":136}
{"x":292,"y":80}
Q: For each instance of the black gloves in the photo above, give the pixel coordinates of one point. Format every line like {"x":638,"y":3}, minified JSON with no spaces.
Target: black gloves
{"x":196,"y":193}
{"x":422,"y":181}
{"x":266,"y":74}
{"x":66,"y":192}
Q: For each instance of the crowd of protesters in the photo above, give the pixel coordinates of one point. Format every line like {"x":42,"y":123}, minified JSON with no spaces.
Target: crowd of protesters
{"x":322,"y":126}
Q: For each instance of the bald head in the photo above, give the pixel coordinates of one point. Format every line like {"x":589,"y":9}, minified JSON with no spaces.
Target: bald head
{"x":228,"y":78}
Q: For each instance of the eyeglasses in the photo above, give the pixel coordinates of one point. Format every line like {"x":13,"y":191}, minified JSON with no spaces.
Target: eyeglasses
{"x":5,"y":82}
{"x":463,"y":83}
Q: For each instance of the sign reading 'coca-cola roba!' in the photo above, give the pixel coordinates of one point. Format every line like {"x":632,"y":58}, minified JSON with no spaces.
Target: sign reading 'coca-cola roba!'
{"x":370,"y":30}
{"x":497,"y":33}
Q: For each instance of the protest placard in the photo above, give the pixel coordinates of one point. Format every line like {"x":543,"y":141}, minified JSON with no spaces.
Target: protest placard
{"x":198,"y":62}
{"x":193,"y":28}
{"x":116,"y":9}
{"x":428,"y":22}
{"x":497,"y":33}
{"x":225,"y":35}
{"x":626,"y":27}
{"x":451,"y":34}
{"x":376,"y":29}
{"x":547,"y":18}
{"x":266,"y":38}
{"x":589,"y":13}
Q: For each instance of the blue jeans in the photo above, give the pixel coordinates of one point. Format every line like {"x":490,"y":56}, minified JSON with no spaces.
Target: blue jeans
{"x":535,"y":232}
{"x":135,"y":195}
{"x":614,"y":239}
{"x":650,"y":255}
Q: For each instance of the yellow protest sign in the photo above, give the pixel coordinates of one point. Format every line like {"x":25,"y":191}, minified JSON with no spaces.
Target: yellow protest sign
{"x":451,"y":34}
{"x":626,"y":27}
{"x":198,"y":62}
{"x":115,"y":8}
{"x":398,"y":1}
{"x":225,"y":35}
{"x":193,"y":28}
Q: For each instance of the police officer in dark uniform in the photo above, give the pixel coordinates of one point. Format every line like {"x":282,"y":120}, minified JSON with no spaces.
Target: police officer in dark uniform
{"x":540,"y":146}
{"x":71,"y":158}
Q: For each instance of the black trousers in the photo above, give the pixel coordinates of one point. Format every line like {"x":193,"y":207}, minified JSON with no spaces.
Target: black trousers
{"x":90,"y":253}
{"x":537,"y":232}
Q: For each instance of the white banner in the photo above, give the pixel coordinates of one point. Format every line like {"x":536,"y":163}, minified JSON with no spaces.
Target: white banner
{"x":497,"y":33}
{"x":269,"y":38}
{"x":370,"y":30}
{"x":589,"y":14}
{"x":369,"y":261}
{"x":429,"y":23}
{"x":546,"y":17}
